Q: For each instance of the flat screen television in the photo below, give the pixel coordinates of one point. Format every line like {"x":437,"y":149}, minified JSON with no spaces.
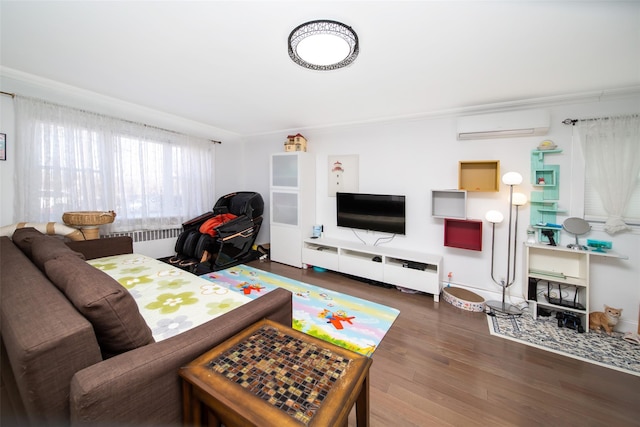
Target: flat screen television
{"x":375,"y":212}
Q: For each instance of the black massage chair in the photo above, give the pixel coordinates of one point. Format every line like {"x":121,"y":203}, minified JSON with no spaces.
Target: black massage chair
{"x":228,"y":239}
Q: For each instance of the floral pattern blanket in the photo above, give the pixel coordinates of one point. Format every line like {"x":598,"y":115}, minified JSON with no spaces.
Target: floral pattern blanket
{"x":170,"y":300}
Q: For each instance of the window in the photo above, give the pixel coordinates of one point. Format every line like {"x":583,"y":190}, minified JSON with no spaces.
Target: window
{"x":611,"y":149}
{"x":71,"y":160}
{"x":594,"y":209}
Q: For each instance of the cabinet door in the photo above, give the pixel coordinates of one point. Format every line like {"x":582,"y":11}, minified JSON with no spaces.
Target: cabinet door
{"x":419,"y":280}
{"x":284,"y":208}
{"x":284,"y":170}
{"x":286,"y":245}
{"x":361,"y":264}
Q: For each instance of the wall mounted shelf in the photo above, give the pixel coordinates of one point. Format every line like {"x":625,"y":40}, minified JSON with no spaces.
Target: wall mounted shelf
{"x":463,"y":234}
{"x":449,"y":204}
{"x":544,"y":206}
{"x":545,"y":178}
{"x":540,"y":153}
{"x":479,"y":175}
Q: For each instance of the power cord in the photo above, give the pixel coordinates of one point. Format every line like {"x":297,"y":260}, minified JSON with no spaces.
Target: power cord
{"x":493,"y":313}
{"x":389,"y":238}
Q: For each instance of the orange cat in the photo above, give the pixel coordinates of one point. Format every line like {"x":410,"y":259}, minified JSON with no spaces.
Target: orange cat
{"x":604,"y":320}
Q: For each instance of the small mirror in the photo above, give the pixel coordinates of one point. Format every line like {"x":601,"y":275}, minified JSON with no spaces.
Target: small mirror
{"x":577,"y":227}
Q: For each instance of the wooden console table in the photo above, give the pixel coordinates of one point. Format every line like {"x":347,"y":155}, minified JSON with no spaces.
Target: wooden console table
{"x":272,"y":375}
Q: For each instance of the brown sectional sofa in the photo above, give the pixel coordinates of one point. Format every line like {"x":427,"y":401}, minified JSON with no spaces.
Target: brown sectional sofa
{"x":56,"y":367}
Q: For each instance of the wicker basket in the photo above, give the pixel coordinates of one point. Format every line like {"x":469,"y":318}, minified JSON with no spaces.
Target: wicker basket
{"x":88,"y":218}
{"x":88,"y":222}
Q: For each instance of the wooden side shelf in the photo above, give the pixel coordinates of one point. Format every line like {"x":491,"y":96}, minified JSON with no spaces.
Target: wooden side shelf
{"x":554,"y":270}
{"x":463,"y":234}
{"x":479,"y":175}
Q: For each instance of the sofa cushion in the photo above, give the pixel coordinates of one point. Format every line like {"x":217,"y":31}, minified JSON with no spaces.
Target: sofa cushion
{"x":24,"y":238}
{"x":109,"y":307}
{"x":50,"y":247}
{"x":47,"y":247}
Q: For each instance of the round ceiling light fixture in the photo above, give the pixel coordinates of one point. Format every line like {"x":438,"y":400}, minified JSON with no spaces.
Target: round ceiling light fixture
{"x":323,"y":45}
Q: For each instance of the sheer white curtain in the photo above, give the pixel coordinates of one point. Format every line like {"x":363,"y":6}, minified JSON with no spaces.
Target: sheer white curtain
{"x":611,"y":148}
{"x":73,"y":160}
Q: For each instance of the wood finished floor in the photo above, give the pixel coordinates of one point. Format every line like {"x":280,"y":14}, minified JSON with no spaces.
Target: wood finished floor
{"x":438,"y":365}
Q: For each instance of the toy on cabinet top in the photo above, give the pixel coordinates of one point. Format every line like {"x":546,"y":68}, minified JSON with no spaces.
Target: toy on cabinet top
{"x":606,"y":320}
{"x":547,"y":145}
{"x":295,"y":142}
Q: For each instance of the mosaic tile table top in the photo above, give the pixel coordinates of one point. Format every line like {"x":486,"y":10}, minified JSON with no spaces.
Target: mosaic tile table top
{"x":353,"y":323}
{"x":306,"y":379}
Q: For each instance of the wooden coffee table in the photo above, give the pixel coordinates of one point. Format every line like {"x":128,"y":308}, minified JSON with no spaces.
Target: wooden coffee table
{"x":272,"y":375}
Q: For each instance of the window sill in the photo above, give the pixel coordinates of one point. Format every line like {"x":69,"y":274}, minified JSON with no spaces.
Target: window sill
{"x":598,"y":225}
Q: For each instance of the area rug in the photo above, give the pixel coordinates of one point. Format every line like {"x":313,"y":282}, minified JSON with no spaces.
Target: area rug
{"x":349,"y":322}
{"x":601,"y":349}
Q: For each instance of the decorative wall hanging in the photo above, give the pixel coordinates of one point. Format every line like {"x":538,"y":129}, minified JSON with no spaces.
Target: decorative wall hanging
{"x":3,"y":146}
{"x":343,"y":174}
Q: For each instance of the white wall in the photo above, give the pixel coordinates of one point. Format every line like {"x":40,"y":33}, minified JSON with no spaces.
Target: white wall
{"x":7,"y":168}
{"x":405,"y":157}
{"x":414,"y":157}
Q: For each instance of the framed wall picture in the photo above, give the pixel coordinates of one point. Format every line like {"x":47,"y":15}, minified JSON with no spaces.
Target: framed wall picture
{"x":343,"y":174}
{"x":3,"y":146}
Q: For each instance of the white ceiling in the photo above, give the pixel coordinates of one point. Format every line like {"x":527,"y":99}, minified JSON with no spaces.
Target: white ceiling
{"x":225,"y":63}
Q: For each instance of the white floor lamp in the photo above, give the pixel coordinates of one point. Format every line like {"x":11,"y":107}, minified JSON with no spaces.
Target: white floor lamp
{"x":494,"y":217}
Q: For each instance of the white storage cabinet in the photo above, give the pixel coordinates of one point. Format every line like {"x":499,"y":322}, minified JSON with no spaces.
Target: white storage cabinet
{"x":555,"y":272}
{"x":292,"y":205}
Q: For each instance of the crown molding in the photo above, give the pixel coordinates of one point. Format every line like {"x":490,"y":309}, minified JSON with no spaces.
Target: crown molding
{"x":497,"y":107}
{"x":46,"y":88}
{"x":29,"y":85}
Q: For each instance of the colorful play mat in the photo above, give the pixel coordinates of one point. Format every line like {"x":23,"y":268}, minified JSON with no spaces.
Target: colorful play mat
{"x":349,"y":322}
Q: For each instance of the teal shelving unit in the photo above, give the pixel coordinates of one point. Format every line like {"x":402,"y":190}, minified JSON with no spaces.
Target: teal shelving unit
{"x":544,"y":201}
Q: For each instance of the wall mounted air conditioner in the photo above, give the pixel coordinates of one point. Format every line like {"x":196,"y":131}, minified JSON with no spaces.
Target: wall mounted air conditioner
{"x":510,"y":124}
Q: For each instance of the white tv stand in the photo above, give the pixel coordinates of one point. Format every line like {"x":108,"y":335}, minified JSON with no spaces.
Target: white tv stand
{"x":409,"y":269}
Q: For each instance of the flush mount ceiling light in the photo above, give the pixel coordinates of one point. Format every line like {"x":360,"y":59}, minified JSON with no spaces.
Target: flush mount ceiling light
{"x":323,"y":45}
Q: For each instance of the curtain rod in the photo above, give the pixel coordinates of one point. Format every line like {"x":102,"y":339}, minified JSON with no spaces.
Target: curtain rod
{"x":13,"y":95}
{"x":573,"y":122}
